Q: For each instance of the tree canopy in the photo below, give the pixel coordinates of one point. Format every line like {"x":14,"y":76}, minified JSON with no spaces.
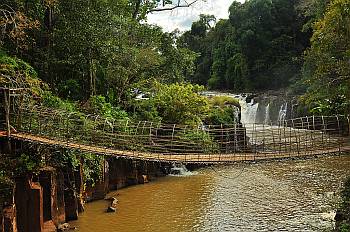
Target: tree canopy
{"x":258,"y":47}
{"x":327,"y":62}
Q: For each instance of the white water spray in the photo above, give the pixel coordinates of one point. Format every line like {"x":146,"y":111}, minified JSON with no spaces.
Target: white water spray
{"x":267,"y":114}
{"x":180,"y":170}
{"x":248,"y":110}
{"x":283,"y":112}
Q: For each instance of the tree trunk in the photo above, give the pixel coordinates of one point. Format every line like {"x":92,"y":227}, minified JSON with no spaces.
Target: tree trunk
{"x":137,"y":9}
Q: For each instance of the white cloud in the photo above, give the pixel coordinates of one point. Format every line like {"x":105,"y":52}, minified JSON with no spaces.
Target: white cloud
{"x":182,"y":18}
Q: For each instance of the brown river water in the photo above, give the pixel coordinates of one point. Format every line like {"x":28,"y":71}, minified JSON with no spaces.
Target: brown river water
{"x":290,"y":195}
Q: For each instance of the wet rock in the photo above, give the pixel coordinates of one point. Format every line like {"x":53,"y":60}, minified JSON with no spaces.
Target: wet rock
{"x":113,"y":206}
{"x":111,"y":209}
{"x":64,"y":227}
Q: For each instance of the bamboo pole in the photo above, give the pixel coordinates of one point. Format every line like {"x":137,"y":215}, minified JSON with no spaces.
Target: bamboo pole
{"x":7,"y":111}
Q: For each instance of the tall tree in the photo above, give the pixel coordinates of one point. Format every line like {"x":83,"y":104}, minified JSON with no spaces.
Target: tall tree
{"x":327,"y":62}
{"x":260,"y":46}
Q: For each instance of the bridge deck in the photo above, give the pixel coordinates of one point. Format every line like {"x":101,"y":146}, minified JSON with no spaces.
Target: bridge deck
{"x":183,"y":158}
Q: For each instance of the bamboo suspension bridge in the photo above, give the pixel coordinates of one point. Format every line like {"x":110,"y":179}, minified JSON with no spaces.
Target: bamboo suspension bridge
{"x":315,"y":135}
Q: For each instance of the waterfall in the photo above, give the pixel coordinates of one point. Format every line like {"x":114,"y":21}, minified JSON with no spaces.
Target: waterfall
{"x":259,"y":109}
{"x":180,"y":170}
{"x":267,"y":114}
{"x":282,"y":112}
{"x":248,"y":110}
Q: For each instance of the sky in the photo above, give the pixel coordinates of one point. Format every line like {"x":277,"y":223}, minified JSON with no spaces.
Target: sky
{"x":182,"y":18}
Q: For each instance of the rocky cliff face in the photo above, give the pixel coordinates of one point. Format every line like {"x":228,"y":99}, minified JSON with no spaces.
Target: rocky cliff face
{"x":43,"y":201}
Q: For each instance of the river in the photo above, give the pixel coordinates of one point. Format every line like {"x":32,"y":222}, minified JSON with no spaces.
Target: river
{"x":289,"y":195}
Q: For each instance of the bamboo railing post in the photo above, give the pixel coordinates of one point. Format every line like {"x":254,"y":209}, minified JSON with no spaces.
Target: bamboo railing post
{"x":273,"y":141}
{"x":263,"y":142}
{"x":67,"y":130}
{"x":279,"y":139}
{"x":296,"y":136}
{"x":235,"y":137}
{"x":313,"y":132}
{"x":309,"y":130}
{"x":339,"y":135}
{"x":7,"y":111}
{"x":255,"y":134}
{"x":210,"y":150}
{"x":303,"y":134}
{"x":291,"y":151}
{"x":348,"y":125}
{"x":245,"y":144}
{"x":20,"y":119}
{"x":39,"y":125}
{"x":150,"y":136}
{"x":172,"y":137}
{"x":112,"y":133}
{"x":85,"y":129}
{"x":329,"y":135}
{"x":323,"y":131}
{"x":284,"y":135}
{"x":222,"y":139}
{"x":134,"y":138}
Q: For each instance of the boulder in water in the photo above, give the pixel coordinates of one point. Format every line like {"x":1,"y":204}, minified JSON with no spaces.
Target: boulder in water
{"x":111,"y":209}
{"x":65,"y":227}
{"x":113,"y":206}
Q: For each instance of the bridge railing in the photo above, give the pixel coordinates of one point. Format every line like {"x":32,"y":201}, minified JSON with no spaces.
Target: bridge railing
{"x":128,"y":135}
{"x":290,"y":138}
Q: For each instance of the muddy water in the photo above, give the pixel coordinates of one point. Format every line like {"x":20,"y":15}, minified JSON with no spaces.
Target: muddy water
{"x":289,"y":195}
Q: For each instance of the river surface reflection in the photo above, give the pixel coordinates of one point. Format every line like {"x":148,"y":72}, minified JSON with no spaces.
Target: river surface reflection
{"x":291,"y":195}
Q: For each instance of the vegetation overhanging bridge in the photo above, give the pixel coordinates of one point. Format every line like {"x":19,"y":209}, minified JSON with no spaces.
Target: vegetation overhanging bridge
{"x":304,"y":136}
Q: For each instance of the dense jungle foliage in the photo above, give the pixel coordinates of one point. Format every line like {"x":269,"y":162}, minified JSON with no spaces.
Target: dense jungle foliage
{"x":302,"y":45}
{"x":79,"y":49}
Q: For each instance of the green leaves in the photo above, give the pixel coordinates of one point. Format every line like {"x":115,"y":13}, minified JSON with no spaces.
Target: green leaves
{"x":256,"y":48}
{"x":15,"y":73}
{"x":180,"y":103}
{"x":99,"y":106}
{"x":326,"y":68}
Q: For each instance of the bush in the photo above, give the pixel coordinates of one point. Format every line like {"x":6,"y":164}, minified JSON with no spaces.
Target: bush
{"x":222,"y":101}
{"x":180,"y":103}
{"x":201,"y":140}
{"x":52,"y":101}
{"x":146,"y":110}
{"x":16,"y":73}
{"x":219,"y":116}
{"x":213,"y":83}
{"x":98,"y":105}
{"x":223,"y":110}
{"x":93,"y":168}
{"x":6,"y":184}
{"x":29,"y":163}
